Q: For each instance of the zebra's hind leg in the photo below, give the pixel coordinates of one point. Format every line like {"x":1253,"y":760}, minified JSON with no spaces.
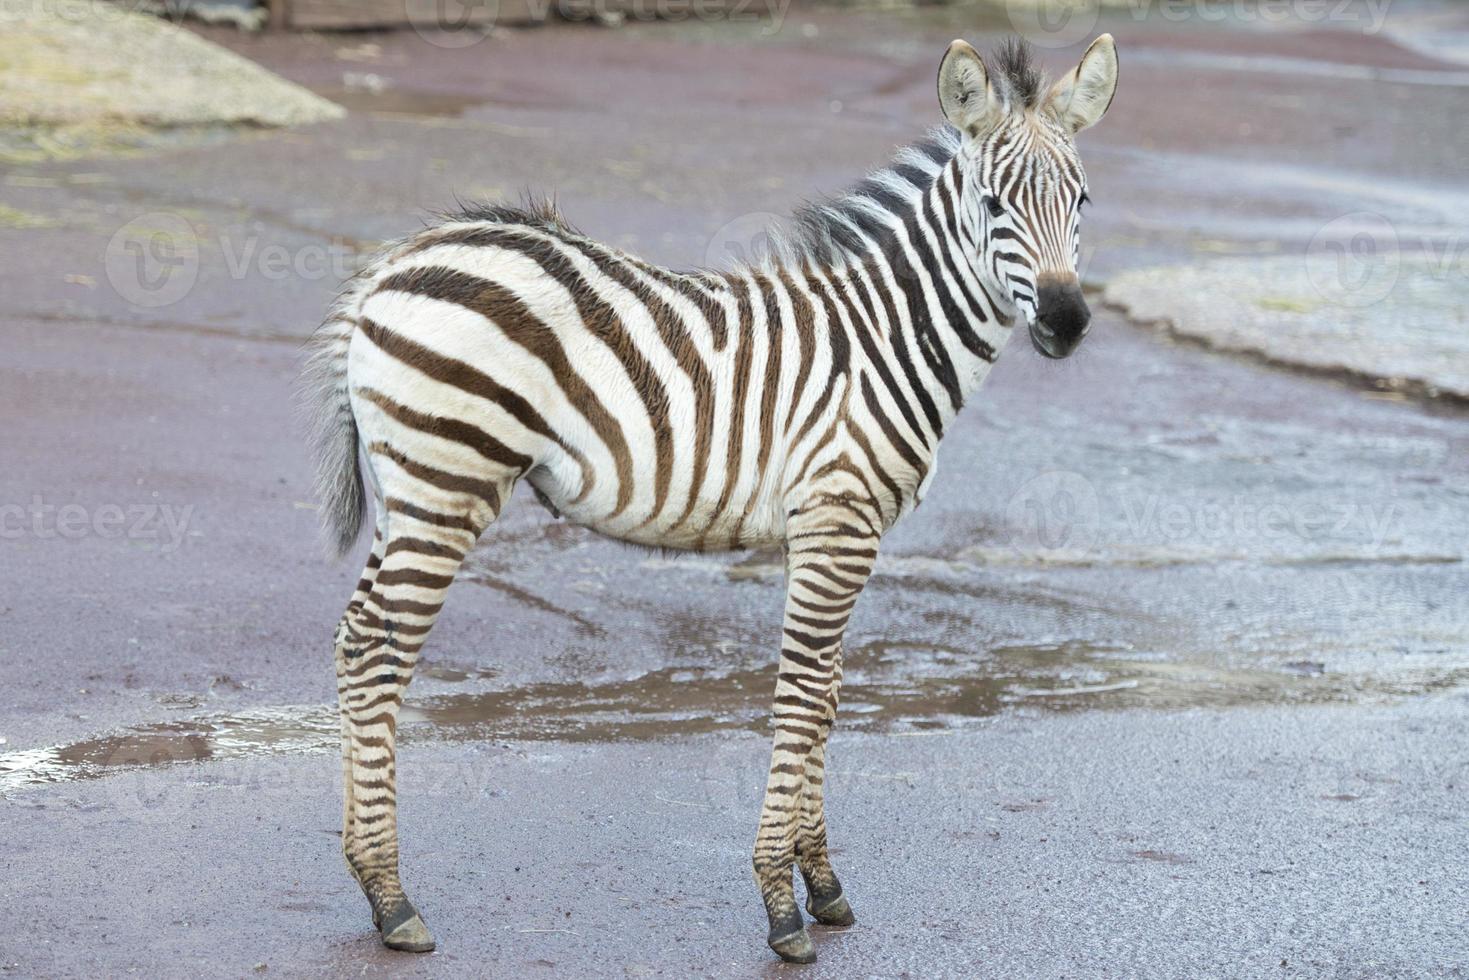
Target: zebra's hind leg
{"x":423,"y":546}
{"x":346,"y":634}
{"x":830,"y":551}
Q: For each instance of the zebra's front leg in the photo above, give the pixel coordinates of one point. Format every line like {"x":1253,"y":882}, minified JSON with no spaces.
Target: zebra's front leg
{"x":830,"y":551}
{"x":825,"y":901}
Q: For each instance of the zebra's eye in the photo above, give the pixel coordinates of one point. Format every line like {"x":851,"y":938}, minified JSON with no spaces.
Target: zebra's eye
{"x":1083,"y":200}
{"x":994,"y":206}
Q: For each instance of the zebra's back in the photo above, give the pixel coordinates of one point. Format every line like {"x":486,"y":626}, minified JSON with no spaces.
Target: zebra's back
{"x":662,"y":408}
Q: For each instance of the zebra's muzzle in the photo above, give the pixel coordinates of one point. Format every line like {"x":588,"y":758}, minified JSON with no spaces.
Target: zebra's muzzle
{"x":1061,"y":318}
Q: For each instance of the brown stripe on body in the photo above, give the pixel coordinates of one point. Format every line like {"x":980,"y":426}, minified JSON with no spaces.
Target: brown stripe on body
{"x":422,"y":546}
{"x":874,"y":354}
{"x":844,"y":464}
{"x":518,"y":324}
{"x":454,"y":430}
{"x":485,"y":490}
{"x":713,"y":306}
{"x":744,"y":340}
{"x":841,"y":354}
{"x":702,"y":291}
{"x":899,"y":344}
{"x":803,"y":321}
{"x":467,"y":378}
{"x":909,"y":454}
{"x":825,"y":440}
{"x":454,"y":522}
{"x":600,"y":319}
{"x":673,"y":331}
{"x":769,"y":396}
{"x":859,"y":436}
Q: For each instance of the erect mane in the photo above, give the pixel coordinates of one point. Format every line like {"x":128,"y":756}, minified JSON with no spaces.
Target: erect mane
{"x":1013,"y":70}
{"x":826,"y":232}
{"x":533,"y":211}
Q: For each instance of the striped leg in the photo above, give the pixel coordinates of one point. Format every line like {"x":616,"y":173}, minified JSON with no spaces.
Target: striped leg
{"x":824,"y":899}
{"x":422,"y":550}
{"x":344,"y":629}
{"x":830,"y":551}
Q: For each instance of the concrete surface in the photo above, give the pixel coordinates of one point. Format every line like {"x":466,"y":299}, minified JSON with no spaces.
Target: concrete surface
{"x":1392,"y":320}
{"x":1256,"y":842}
{"x":1186,"y":632}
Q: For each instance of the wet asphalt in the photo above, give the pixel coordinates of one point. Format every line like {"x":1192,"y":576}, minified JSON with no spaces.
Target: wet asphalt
{"x":1165,"y":678}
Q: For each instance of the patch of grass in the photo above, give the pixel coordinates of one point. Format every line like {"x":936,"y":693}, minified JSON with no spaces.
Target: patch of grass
{"x":1285,"y":304}
{"x":15,"y":218}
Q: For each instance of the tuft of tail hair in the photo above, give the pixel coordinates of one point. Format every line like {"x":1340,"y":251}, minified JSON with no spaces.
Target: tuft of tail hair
{"x":333,"y":427}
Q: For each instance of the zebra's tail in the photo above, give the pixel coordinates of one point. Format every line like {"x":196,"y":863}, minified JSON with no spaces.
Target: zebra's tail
{"x":339,"y":487}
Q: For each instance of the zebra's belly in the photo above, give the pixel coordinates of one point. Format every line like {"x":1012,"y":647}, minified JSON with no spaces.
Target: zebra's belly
{"x":711,"y":521}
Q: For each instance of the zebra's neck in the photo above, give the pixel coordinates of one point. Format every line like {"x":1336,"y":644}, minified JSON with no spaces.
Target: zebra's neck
{"x":902,"y":248}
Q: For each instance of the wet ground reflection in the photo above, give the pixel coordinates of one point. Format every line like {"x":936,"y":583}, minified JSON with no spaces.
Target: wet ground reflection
{"x":890,"y":687}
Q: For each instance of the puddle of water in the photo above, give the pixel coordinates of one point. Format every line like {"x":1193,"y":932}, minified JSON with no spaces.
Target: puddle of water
{"x":454,"y":675}
{"x":282,"y":731}
{"x":892,"y":687}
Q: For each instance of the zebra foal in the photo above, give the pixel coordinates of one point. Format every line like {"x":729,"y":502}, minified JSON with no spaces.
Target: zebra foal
{"x":797,"y":402}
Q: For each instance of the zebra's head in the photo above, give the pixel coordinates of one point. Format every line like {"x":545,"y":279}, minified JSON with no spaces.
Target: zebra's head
{"x":1023,"y":185}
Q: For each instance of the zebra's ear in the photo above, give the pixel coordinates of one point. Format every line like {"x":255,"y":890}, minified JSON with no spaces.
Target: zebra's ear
{"x":1081,"y":97}
{"x":964,"y":89}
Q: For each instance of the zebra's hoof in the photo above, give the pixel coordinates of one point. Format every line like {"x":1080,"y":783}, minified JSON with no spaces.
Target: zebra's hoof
{"x":794,"y":947}
{"x":832,"y":912}
{"x":410,"y":934}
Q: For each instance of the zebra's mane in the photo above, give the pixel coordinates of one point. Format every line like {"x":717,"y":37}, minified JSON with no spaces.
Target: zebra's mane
{"x":1020,"y":80}
{"x":826,"y":233}
{"x":830,"y":231}
{"x":533,"y":211}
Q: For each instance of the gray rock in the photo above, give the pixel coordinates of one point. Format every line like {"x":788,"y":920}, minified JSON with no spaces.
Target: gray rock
{"x":95,"y":63}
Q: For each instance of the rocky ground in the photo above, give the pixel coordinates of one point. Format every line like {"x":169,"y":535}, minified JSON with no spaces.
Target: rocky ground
{"x":1165,"y":678}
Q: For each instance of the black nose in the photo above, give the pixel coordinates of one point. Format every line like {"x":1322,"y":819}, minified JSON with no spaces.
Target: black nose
{"x":1061,"y":317}
{"x":1061,"y":307}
